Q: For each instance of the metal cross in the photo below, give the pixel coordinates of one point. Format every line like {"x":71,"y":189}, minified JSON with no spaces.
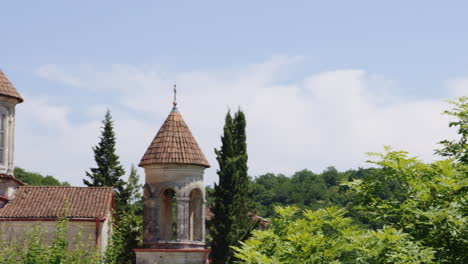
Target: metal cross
{"x":175,"y":96}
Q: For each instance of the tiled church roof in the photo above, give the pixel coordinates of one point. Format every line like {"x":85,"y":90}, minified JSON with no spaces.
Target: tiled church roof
{"x":174,"y":144}
{"x":11,"y":177}
{"x":59,"y":201}
{"x":7,"y":88}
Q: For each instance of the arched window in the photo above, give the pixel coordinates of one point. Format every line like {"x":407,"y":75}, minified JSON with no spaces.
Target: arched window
{"x":169,"y":215}
{"x":2,"y":138}
{"x":195,"y":214}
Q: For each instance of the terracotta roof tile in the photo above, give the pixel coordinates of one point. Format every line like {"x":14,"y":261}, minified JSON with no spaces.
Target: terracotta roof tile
{"x":174,"y":144}
{"x":7,"y":88}
{"x":52,"y":202}
{"x":11,"y":177}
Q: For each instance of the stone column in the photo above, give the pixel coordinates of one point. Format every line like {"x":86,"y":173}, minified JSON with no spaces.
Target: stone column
{"x":203,"y":220}
{"x":150,"y":223}
{"x":182,"y":218}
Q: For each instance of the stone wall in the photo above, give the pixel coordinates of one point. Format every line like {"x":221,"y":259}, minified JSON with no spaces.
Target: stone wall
{"x":83,"y":231}
{"x":172,"y":257}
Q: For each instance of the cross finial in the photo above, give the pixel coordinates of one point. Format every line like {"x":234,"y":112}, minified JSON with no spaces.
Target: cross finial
{"x":175,"y":96}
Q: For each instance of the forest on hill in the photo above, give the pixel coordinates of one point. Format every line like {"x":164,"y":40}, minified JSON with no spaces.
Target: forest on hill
{"x":37,"y":179}
{"x":308,"y":190}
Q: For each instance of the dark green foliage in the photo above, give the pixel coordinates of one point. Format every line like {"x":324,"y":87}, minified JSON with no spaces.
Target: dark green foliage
{"x":36,"y":179}
{"x":129,"y":211}
{"x":232,"y":202}
{"x":131,"y":191}
{"x":331,"y":176}
{"x":209,"y":196}
{"x":108,"y":172}
{"x":306,"y":189}
{"x":128,"y":233}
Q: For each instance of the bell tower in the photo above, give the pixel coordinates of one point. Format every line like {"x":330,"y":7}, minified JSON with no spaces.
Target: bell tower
{"x":174,"y":196}
{"x":9,"y":98}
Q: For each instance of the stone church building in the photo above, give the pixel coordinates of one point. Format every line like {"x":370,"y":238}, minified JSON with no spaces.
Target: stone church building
{"x":23,"y":207}
{"x":173,"y":201}
{"x":174,"y":197}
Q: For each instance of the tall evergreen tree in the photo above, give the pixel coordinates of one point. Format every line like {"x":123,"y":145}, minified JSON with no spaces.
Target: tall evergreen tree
{"x":133,"y":187}
{"x":231,"y":222}
{"x":109,"y":171}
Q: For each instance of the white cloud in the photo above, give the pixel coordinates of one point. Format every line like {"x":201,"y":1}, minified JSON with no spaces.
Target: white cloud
{"x":41,"y":112}
{"x":50,"y":142}
{"x":53,"y":73}
{"x":328,"y":118}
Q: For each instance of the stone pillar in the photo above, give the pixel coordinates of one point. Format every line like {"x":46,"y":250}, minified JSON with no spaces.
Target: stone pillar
{"x":151,"y":228}
{"x":182,"y":218}
{"x":203,"y":221}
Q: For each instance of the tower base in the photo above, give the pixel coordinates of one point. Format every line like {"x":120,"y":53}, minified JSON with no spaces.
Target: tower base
{"x":172,"y":256}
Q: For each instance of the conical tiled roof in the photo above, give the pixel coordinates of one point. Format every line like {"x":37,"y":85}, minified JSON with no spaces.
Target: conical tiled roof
{"x":174,"y":144}
{"x":7,"y":88}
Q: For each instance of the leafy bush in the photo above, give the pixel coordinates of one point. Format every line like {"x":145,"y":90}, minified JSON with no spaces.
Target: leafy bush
{"x":327,"y":236}
{"x":430,"y":205}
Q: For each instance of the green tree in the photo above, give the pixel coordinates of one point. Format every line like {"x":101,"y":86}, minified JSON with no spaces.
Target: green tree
{"x":430,"y":203}
{"x":108,"y":172}
{"x":127,"y":235}
{"x":37,"y":179}
{"x":308,"y":190}
{"x":232,"y":201}
{"x":129,"y":225}
{"x":327,"y":236}
{"x":331,"y":176}
{"x":457,"y":149}
{"x":131,"y":191}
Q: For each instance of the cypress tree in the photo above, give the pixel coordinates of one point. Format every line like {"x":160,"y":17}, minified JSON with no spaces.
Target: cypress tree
{"x":109,"y":171}
{"x":231,"y":222}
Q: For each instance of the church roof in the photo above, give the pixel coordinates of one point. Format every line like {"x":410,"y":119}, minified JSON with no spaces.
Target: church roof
{"x":59,"y":201}
{"x":7,"y":88}
{"x":11,"y":177}
{"x":174,"y":144}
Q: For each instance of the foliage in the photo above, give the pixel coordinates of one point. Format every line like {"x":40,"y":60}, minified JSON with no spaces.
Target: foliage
{"x":126,"y":236}
{"x":307,"y":190}
{"x":457,"y":149}
{"x":430,"y":205}
{"x":36,"y":179}
{"x":33,"y":248}
{"x":415,"y":212}
{"x":128,"y":222}
{"x":209,"y":196}
{"x":327,"y":236}
{"x":131,"y":191}
{"x":108,"y":172}
{"x":232,"y":201}
{"x":128,"y":228}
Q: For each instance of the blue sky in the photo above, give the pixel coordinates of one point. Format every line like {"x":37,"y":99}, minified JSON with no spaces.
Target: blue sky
{"x":330,"y":71}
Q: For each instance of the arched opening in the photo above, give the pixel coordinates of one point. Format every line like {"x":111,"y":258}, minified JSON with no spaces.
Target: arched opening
{"x":169,"y":215}
{"x":196,"y":215}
